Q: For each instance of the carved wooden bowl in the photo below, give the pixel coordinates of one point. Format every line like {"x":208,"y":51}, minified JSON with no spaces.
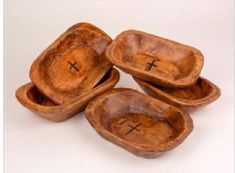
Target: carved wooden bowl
{"x":200,"y":94}
{"x":30,"y":97}
{"x":155,"y":59}
{"x":138,"y":123}
{"x":73,"y":64}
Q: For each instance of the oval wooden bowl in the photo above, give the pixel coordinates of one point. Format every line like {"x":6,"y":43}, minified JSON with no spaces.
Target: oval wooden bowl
{"x":155,"y":59}
{"x":138,"y":123}
{"x":30,"y":97}
{"x":200,"y":94}
{"x":72,"y":64}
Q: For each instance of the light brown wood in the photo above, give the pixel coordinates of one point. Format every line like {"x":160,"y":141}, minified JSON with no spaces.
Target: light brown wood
{"x":30,"y":97}
{"x":138,"y":123}
{"x":202,"y":93}
{"x":73,"y":64}
{"x":155,"y":59}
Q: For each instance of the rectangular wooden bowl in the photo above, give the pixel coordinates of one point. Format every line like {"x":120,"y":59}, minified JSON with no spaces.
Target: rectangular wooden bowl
{"x":74,"y":63}
{"x":202,"y":93}
{"x":30,"y":97}
{"x":155,"y":59}
{"x":138,"y":123}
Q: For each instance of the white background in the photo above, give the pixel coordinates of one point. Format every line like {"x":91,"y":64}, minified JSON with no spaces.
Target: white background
{"x":35,"y":145}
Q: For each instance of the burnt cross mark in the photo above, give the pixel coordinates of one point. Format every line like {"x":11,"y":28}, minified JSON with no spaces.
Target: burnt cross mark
{"x":150,"y":65}
{"x":132,"y":128}
{"x":73,"y":65}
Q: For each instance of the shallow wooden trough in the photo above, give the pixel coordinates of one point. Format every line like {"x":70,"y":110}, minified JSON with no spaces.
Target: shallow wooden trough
{"x":74,"y":63}
{"x":155,"y":59}
{"x":138,"y":123}
{"x":30,"y":97}
{"x":202,"y":93}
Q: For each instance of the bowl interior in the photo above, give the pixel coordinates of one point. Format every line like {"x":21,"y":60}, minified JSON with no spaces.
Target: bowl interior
{"x":155,"y":55}
{"x":37,"y":97}
{"x":67,"y":66}
{"x":134,"y":118}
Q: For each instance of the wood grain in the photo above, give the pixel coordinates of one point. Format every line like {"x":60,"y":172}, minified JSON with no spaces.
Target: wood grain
{"x":202,"y":93}
{"x":74,"y":63}
{"x":138,"y":123}
{"x":155,"y":59}
{"x":30,"y":97}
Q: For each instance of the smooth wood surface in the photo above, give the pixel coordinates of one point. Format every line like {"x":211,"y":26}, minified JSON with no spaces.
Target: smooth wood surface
{"x":202,"y":93}
{"x":155,"y":59}
{"x":138,"y":123}
{"x":73,"y":64}
{"x":30,"y":97}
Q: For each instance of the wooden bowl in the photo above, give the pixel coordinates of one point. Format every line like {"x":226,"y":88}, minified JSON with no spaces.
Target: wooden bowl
{"x":30,"y":97}
{"x":200,"y":94}
{"x":155,"y":59}
{"x":73,"y":64}
{"x":138,"y":123}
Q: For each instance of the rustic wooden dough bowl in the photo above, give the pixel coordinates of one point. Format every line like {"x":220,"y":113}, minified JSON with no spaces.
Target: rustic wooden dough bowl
{"x":73,"y":64}
{"x":202,"y":93}
{"x":30,"y":97}
{"x":155,"y":59}
{"x":138,"y":123}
